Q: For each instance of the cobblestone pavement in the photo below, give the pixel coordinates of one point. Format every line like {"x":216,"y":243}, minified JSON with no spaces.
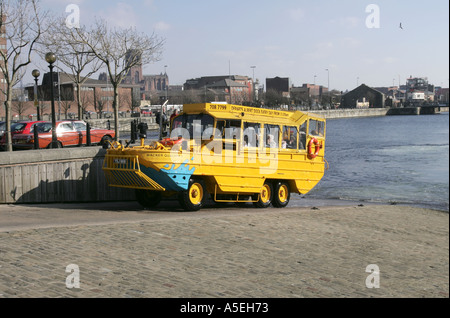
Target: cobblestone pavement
{"x":231,"y":253}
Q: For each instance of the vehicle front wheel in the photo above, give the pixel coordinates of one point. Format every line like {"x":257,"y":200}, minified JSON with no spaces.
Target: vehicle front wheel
{"x":148,"y":199}
{"x":193,"y":199}
{"x":106,"y":142}
{"x":282,"y":195}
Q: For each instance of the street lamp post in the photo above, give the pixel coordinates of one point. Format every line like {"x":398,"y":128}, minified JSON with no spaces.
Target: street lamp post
{"x":253,"y":80}
{"x":166,"y":86}
{"x":36,"y":74}
{"x":51,"y":58}
{"x":329,"y":94}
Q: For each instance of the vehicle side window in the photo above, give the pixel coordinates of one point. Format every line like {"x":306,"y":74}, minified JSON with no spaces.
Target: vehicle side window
{"x":220,"y":128}
{"x":316,"y":128}
{"x":272,"y":136}
{"x":289,"y":138}
{"x":233,"y":129}
{"x":65,"y":127}
{"x":302,"y":136}
{"x":44,"y":128}
{"x":80,"y":126}
{"x":252,"y":135}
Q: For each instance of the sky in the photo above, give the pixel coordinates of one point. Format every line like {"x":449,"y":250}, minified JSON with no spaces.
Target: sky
{"x":337,"y":43}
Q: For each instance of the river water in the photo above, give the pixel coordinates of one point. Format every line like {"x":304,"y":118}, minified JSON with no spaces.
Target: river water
{"x":393,"y":159}
{"x":388,"y":160}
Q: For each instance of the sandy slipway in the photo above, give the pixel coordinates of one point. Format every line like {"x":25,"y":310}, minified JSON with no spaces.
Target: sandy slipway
{"x":223,"y":252}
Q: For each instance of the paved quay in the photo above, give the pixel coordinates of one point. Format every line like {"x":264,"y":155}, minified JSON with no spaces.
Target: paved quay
{"x":117,"y":250}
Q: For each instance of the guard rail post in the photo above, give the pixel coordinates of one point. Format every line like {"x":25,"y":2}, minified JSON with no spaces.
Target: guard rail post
{"x":88,"y":135}
{"x":36,"y":136}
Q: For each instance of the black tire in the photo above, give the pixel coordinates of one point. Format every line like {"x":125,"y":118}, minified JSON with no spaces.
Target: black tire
{"x":194,"y":198}
{"x":281,"y":195}
{"x":148,"y":199}
{"x":105,"y":142}
{"x":58,"y":145}
{"x":265,"y":196}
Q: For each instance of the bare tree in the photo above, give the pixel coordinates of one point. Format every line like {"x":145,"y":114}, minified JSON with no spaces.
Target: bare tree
{"x":100,"y":102}
{"x":19,"y":105}
{"x":73,"y":53}
{"x":120,"y":50}
{"x":126,"y":100}
{"x":66,"y":101}
{"x":20,"y":26}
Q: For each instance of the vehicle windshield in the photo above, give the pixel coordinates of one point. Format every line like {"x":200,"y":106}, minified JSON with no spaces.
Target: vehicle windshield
{"x":18,"y":127}
{"x":194,"y":125}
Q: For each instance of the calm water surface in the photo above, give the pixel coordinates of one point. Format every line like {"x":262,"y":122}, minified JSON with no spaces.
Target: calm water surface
{"x":392,"y":159}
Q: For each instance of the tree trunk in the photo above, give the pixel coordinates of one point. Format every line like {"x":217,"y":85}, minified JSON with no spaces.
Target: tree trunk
{"x":8,"y":104}
{"x":8,"y":146}
{"x":116,"y":110}
{"x":79,"y":103}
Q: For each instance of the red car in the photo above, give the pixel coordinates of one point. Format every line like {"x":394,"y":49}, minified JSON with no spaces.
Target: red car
{"x":21,"y":127}
{"x":68,"y":132}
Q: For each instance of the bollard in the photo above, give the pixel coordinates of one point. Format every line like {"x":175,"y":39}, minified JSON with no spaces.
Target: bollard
{"x":88,"y":135}
{"x":133,"y":131}
{"x":36,"y":137}
{"x":143,"y":127}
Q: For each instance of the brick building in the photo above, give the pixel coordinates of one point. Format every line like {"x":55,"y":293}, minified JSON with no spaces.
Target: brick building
{"x":96,"y":95}
{"x":234,"y":89}
{"x":151,"y":86}
{"x":308,"y":93}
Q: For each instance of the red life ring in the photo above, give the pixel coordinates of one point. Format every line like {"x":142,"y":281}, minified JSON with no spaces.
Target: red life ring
{"x":317,"y":147}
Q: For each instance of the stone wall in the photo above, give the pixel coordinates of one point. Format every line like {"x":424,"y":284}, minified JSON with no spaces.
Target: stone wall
{"x":56,"y":175}
{"x":348,"y":113}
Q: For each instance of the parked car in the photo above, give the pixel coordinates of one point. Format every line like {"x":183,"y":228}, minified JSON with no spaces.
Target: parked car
{"x":68,"y":132}
{"x":19,"y":128}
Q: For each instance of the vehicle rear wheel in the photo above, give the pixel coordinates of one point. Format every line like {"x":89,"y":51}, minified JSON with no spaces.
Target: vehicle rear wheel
{"x":148,"y":199}
{"x":265,"y":196}
{"x":193,"y":199}
{"x":282,"y":195}
{"x":57,"y":145}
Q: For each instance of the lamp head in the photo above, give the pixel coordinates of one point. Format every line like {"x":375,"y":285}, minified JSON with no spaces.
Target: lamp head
{"x":50,"y":57}
{"x":36,"y":73}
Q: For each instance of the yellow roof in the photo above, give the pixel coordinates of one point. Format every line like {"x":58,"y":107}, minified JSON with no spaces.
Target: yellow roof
{"x":228,"y":111}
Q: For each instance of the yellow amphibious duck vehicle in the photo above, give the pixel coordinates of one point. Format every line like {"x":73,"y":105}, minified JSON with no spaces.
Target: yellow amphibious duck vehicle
{"x":233,"y":153}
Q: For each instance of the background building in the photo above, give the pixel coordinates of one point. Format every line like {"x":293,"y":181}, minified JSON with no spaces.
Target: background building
{"x":418,"y":91}
{"x":96,"y":95}
{"x":308,"y":94}
{"x":363,"y":97}
{"x":279,"y":85}
{"x":234,"y":89}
